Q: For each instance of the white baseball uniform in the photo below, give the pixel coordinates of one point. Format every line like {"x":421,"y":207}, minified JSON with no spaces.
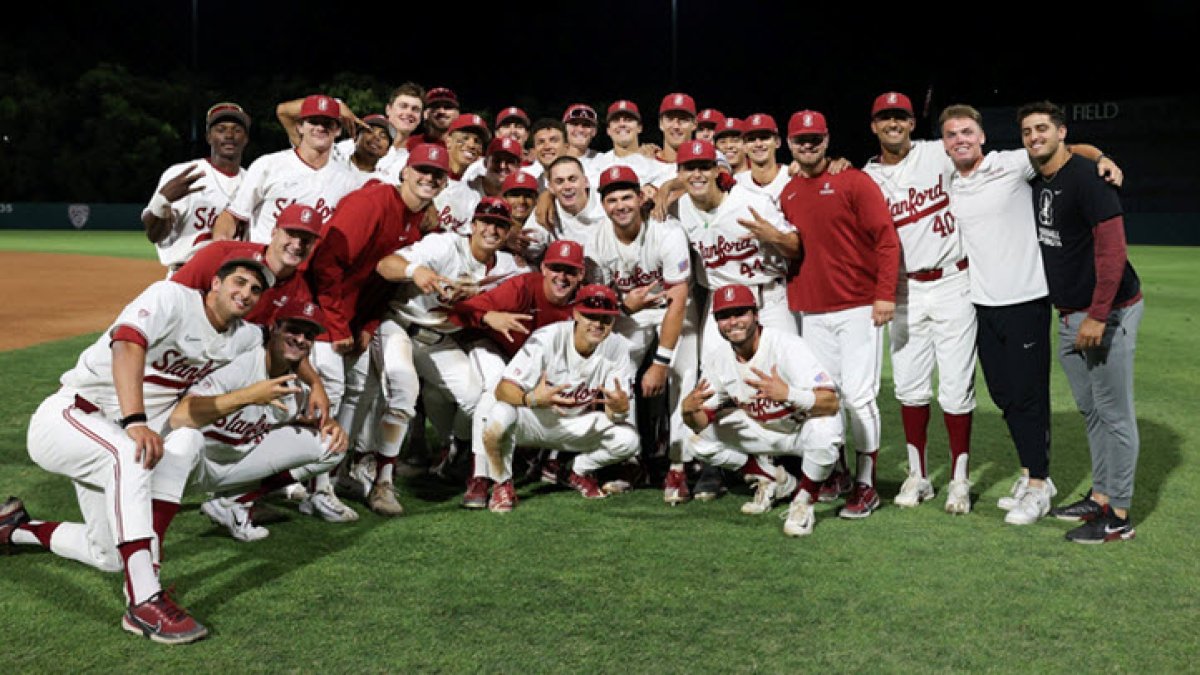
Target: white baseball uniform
{"x":731,"y":255}
{"x":577,"y":227}
{"x":343,"y":151}
{"x":75,"y":432}
{"x":279,"y":179}
{"x":193,"y":215}
{"x":456,"y":207}
{"x":745,"y":425}
{"x":934,"y":317}
{"x":771,"y":190}
{"x":393,"y":163}
{"x":646,"y":169}
{"x":579,"y":427}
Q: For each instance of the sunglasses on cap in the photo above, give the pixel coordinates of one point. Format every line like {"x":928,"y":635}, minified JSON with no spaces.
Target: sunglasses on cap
{"x":603,"y":304}
{"x":494,"y":213}
{"x":582,"y":115}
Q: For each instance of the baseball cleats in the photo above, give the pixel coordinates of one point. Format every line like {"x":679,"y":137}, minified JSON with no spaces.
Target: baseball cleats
{"x":382,"y":500}
{"x":1103,"y":528}
{"x":551,"y":471}
{"x":356,"y":478}
{"x":799,"y":519}
{"x":862,"y":502}
{"x":161,"y":620}
{"x":326,"y":506}
{"x":12,"y":516}
{"x":958,"y":497}
{"x":913,"y":491}
{"x":1009,"y":501}
{"x":834,"y":487}
{"x":1085,"y":510}
{"x":586,"y":485}
{"x":1033,"y":505}
{"x":476,"y":496}
{"x":766,"y":492}
{"x":295,"y":492}
{"x":504,"y":498}
{"x":235,"y":516}
{"x":710,"y":484}
{"x":675,"y":487}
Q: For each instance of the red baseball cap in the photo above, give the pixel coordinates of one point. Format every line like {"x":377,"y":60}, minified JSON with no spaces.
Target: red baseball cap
{"x":297,"y":309}
{"x":807,"y":122}
{"x":506,"y":145}
{"x":679,"y":103}
{"x":597,"y":299}
{"x":512,"y":112}
{"x":226,"y":111}
{"x":733,"y":296}
{"x":617,"y":176}
{"x":320,"y":105}
{"x":624,"y":107}
{"x":430,"y":156}
{"x":892,"y":100}
{"x":731,"y":126}
{"x":759,"y":122}
{"x":710,"y":116}
{"x":580,"y":113}
{"x":377,"y":120}
{"x":696,"y":151}
{"x":297,"y":216}
{"x":441,"y":95}
{"x":473,"y":122}
{"x":494,"y":209}
{"x":518,"y":180}
{"x":566,"y":252}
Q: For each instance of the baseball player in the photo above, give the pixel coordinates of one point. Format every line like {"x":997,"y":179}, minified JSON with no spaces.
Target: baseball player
{"x":101,"y":430}
{"x":372,"y":142}
{"x":305,"y":174}
{"x":441,"y":109}
{"x":624,"y":128}
{"x":507,"y":315}
{"x":567,"y":389}
{"x":549,"y":143}
{"x":514,"y":123}
{"x":466,"y":140}
{"x":519,"y":189}
{"x":648,"y":264}
{"x":729,"y":142}
{"x":502,"y":160}
{"x":760,"y":138}
{"x":576,"y":210}
{"x":180,"y":216}
{"x":677,"y":121}
{"x":581,"y":121}
{"x":404,"y":111}
{"x":242,"y":423}
{"x":377,"y":220}
{"x":417,"y":338}
{"x":764,"y":393}
{"x":707,"y":123}
{"x":935,"y":320}
{"x":846,"y":289}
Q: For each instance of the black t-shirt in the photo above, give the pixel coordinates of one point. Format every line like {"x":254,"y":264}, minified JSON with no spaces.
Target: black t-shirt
{"x":1067,"y":207}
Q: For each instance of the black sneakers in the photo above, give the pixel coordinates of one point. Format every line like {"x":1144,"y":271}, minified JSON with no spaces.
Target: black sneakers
{"x":1103,"y":528}
{"x":1085,"y":510}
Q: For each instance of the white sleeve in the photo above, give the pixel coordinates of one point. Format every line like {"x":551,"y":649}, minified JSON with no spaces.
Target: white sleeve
{"x":1018,"y":161}
{"x":431,"y":251}
{"x":771,"y":213}
{"x":800,"y":367}
{"x":154,"y":313}
{"x":676,"y":252}
{"x":540,"y":237}
{"x":526,"y":368}
{"x":237,"y":374}
{"x":250,"y":192}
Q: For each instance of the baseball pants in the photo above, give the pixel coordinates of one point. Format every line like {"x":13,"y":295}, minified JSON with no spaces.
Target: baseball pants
{"x":935,"y":324}
{"x":296,"y":449}
{"x":682,"y":377}
{"x":850,"y":348}
{"x":729,"y":440}
{"x":1101,"y":380}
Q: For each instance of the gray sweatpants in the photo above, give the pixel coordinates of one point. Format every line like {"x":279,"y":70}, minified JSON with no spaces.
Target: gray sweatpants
{"x":1101,"y":380}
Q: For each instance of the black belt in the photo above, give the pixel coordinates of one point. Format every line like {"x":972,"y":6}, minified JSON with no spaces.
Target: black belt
{"x":426,"y":336}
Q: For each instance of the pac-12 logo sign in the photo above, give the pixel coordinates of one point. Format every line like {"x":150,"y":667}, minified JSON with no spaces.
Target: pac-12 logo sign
{"x":78,"y":214}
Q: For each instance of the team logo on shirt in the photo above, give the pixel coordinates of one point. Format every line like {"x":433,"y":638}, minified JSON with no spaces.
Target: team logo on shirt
{"x":1046,"y":208}
{"x":827,"y":190}
{"x":725,"y":250}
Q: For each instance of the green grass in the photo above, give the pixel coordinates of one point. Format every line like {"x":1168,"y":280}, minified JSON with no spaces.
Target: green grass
{"x":116,"y":244}
{"x":628,"y":584}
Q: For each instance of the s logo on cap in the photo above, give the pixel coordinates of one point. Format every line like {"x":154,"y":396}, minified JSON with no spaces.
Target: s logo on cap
{"x":728,"y":294}
{"x":565,"y":250}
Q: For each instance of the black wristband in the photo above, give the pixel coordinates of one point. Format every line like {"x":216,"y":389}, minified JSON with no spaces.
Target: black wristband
{"x":131,"y":419}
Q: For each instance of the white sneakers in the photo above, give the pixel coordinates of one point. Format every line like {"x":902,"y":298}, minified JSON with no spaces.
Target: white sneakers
{"x":356,"y":479}
{"x":235,"y":516}
{"x":798,"y":521}
{"x":766,"y":492}
{"x":913,"y":491}
{"x":1032,"y":505}
{"x":958,"y":497}
{"x":1008,"y":501}
{"x":326,"y":506}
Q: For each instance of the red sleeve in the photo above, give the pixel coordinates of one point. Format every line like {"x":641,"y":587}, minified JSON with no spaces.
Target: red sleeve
{"x":1110,"y":265}
{"x":198,"y":272}
{"x":872,"y":211}
{"x":510,"y":296}
{"x":345,"y":235}
{"x":129,"y":334}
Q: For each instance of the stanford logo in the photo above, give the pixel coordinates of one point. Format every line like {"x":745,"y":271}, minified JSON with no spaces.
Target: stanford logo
{"x":808,"y":120}
{"x":728,"y":294}
{"x":757,"y":119}
{"x":306,"y":216}
{"x":565,"y":250}
{"x":891,"y":98}
{"x":615,"y":173}
{"x":696,"y":148}
{"x":678,"y":99}
{"x":433,"y":154}
{"x":322,"y":104}
{"x":309,"y":309}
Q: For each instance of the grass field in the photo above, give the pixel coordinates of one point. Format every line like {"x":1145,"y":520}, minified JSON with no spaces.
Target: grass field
{"x":630,"y":585}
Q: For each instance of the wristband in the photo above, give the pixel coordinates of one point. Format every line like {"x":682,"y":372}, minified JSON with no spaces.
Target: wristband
{"x":159,"y":206}
{"x":664,"y":356}
{"x":802,"y":399}
{"x":527,"y":399}
{"x":134,"y":419}
{"x":136,"y":424}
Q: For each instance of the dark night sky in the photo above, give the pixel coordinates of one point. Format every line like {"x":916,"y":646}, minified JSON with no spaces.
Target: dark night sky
{"x":738,"y":56}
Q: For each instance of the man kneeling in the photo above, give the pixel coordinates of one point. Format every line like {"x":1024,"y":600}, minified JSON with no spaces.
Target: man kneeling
{"x":567,"y":389}
{"x":767,"y":395}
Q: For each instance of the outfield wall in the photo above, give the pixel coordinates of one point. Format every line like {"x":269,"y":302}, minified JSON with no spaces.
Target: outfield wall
{"x":1167,"y":229}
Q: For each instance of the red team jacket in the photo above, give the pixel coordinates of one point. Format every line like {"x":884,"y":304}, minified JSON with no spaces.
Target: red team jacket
{"x":520,"y":295}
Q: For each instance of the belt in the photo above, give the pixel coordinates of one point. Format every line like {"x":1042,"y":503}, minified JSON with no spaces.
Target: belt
{"x":939,"y":272}
{"x":426,"y":336}
{"x":85,"y":405}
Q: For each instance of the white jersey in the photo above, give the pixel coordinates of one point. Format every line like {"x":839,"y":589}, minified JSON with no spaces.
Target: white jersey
{"x":343,"y":151}
{"x":181,"y":348}
{"x":771,"y":190}
{"x":551,"y":350}
{"x":588,"y":160}
{"x":235,"y":435}
{"x":193,"y":215}
{"x":647,"y":169}
{"x":994,"y":214}
{"x":659,"y":254}
{"x":729,"y":253}
{"x":579,"y":227}
{"x":456,"y":207}
{"x":797,"y":365}
{"x":282,"y":178}
{"x":449,"y":255}
{"x":393,"y":163}
{"x":915,"y":189}
{"x":665,"y":171}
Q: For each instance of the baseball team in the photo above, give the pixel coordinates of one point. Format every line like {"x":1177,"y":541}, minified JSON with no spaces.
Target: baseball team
{"x":678,"y":316}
